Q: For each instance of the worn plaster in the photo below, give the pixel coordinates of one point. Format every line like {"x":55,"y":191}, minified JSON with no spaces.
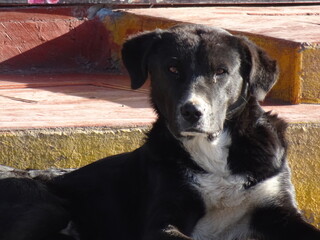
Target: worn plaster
{"x":66,"y":147}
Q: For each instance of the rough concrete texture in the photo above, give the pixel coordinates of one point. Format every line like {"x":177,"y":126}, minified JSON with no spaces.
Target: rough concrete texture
{"x":304,"y":158}
{"x":65,"y":147}
{"x":310,"y":73}
{"x":76,"y":147}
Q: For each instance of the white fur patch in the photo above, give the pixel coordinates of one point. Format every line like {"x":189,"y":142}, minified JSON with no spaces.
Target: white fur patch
{"x":260,"y":94}
{"x":228,"y":204}
{"x":210,"y":155}
{"x":232,"y":222}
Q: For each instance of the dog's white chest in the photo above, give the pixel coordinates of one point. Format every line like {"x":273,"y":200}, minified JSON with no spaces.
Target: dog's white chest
{"x":223,"y":193}
{"x":218,"y":187}
{"x":226,"y":208}
{"x":228,"y":204}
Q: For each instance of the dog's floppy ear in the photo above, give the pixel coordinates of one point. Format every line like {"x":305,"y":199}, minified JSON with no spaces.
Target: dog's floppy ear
{"x":264,"y":71}
{"x":135,"y":52}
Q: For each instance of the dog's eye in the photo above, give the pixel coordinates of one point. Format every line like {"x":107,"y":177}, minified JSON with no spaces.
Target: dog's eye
{"x":173,"y":69}
{"x":220,"y":71}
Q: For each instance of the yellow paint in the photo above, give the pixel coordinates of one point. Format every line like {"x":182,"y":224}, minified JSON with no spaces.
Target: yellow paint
{"x":310,"y":74}
{"x":127,"y":24}
{"x":65,"y":148}
{"x":304,"y":159}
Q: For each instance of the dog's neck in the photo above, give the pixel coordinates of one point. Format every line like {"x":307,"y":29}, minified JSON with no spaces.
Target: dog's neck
{"x":199,"y":155}
{"x":166,"y":147}
{"x":211,"y":156}
{"x":235,"y":109}
{"x":261,"y":133}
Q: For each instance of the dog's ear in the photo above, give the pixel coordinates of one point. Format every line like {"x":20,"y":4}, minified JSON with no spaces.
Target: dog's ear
{"x":263,"y":72}
{"x":135,"y":52}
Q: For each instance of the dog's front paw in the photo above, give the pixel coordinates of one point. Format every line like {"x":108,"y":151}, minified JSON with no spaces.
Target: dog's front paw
{"x":173,"y":233}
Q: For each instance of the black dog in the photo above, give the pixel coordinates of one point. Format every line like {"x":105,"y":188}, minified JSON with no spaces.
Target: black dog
{"x":214,"y":164}
{"x":28,"y":210}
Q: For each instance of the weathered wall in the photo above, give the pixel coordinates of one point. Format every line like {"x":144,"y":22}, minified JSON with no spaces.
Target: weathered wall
{"x":52,"y":39}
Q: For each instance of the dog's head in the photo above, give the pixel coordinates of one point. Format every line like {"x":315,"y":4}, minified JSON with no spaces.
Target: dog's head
{"x":200,"y":76}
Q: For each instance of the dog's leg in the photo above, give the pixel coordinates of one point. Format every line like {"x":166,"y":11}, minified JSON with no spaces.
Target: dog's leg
{"x":280,"y":223}
{"x":169,"y":233}
{"x":29,"y":211}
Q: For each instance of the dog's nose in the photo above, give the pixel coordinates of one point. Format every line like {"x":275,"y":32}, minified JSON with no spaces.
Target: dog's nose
{"x":190,"y":112}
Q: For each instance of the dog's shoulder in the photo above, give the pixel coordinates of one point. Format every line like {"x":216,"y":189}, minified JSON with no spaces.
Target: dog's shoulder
{"x":259,"y":146}
{"x":106,"y":169}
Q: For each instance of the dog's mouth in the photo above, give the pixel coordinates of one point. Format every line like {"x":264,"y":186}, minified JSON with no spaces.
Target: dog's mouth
{"x":191,"y":133}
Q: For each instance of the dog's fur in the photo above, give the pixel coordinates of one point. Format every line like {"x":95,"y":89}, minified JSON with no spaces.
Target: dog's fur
{"x":213,"y":166}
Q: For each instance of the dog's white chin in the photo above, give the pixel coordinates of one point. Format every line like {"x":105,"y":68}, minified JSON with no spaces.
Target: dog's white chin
{"x":211,"y":137}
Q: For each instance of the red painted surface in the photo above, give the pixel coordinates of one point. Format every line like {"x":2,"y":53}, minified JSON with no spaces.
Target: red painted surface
{"x":51,"y":40}
{"x":70,"y":100}
{"x":297,"y":23}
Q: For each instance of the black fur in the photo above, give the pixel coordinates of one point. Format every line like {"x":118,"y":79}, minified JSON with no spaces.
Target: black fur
{"x":264,"y":133}
{"x":153,"y":192}
{"x":30,"y":212}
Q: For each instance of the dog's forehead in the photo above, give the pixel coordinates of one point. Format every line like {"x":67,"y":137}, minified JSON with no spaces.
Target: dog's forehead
{"x":200,"y":33}
{"x":190,"y":39}
{"x":208,"y":47}
{"x":198,"y":30}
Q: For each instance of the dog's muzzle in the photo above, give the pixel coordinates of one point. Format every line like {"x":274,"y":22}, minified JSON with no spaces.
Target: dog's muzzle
{"x":191,"y":113}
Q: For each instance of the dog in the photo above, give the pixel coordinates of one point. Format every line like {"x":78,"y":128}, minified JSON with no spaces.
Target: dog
{"x":213,"y":166}
{"x":28,"y":209}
